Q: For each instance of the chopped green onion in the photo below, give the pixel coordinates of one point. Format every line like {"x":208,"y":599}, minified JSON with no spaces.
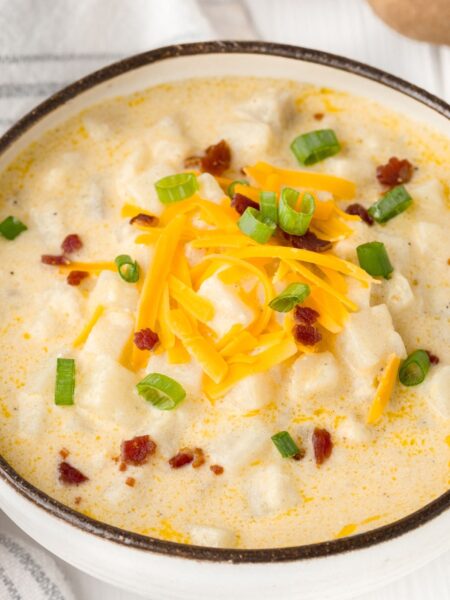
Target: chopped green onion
{"x":285,"y":444}
{"x":162,"y":391}
{"x":415,"y":368}
{"x":293,"y":221}
{"x":128,"y":268}
{"x":11,"y":227}
{"x":393,"y":203}
{"x":374,"y":259}
{"x":314,"y":146}
{"x":268,"y":206}
{"x":174,"y":188}
{"x":65,"y":381}
{"x":233,"y":184}
{"x":294,"y":294}
{"x":253,"y":224}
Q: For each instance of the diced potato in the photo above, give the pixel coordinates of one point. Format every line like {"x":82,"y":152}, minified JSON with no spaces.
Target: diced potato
{"x":251,"y":393}
{"x":49,"y":222}
{"x":32,"y":414}
{"x":368,"y":338}
{"x":428,"y":197}
{"x":398,"y":250}
{"x":272,"y":108}
{"x":97,"y":127}
{"x":438,"y":390}
{"x":139,"y":188}
{"x":110,"y":290}
{"x":214,"y":537}
{"x":229,"y":309}
{"x":427,"y":238}
{"x":210,"y":189}
{"x":239,"y":447}
{"x":62,"y":303}
{"x":354,"y":431}
{"x":358,"y":293}
{"x":313,"y":375}
{"x":270,"y":490}
{"x":399,"y":295}
{"x":350,"y":167}
{"x":167,"y":142}
{"x":250,"y":141}
{"x":347,"y":248}
{"x":188,"y":374}
{"x":110,"y":334}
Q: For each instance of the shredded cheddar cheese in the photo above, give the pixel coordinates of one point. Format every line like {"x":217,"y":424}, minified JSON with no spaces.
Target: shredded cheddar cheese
{"x":384,"y":389}
{"x":84,"y":334}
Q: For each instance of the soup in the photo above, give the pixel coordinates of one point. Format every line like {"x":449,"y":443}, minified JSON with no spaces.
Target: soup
{"x":225,"y":313}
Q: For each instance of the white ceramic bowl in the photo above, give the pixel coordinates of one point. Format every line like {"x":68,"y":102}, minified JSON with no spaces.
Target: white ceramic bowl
{"x":168,"y":571}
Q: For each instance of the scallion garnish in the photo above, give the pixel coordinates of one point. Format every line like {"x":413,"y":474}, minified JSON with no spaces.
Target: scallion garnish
{"x":268,"y":206}
{"x":393,"y":203}
{"x":11,"y":227}
{"x":293,"y":221}
{"x":65,"y":381}
{"x":128,"y":268}
{"x":374,"y":259}
{"x":174,"y":188}
{"x":253,"y":224}
{"x":162,"y":391}
{"x":285,"y":444}
{"x":414,"y":369}
{"x":294,"y":294}
{"x":233,"y":184}
{"x":314,"y":146}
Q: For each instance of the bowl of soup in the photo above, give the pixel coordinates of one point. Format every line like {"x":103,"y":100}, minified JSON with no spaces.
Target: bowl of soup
{"x":225,"y":357}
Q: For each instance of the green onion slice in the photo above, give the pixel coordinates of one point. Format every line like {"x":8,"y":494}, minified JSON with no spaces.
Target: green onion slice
{"x":128,"y":268}
{"x":174,"y":188}
{"x":233,"y":184}
{"x":393,"y":203}
{"x":253,"y":224}
{"x":414,"y":369}
{"x":162,"y":391}
{"x":65,"y":381}
{"x":11,"y":227}
{"x":291,"y":220}
{"x":285,"y":444}
{"x":294,"y":294}
{"x":374,"y":259}
{"x":312,"y":147}
{"x":268,"y":206}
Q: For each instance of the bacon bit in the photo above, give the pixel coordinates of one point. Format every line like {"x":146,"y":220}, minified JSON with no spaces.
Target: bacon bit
{"x":193,"y":162}
{"x":434,"y":360}
{"x":199,"y":458}
{"x":306,"y":334}
{"x":116,"y":459}
{"x":143,"y":219}
{"x":184,"y":457}
{"x":395,"y":171}
{"x":308,"y":241}
{"x":322,"y":445}
{"x":300,"y":454}
{"x":71,"y":243}
{"x":146,"y":339}
{"x":240,"y":203}
{"x":130,"y":481}
{"x":138,"y":450}
{"x":49,"y":259}
{"x":76,"y":277}
{"x":78,"y":500}
{"x":216,"y":469}
{"x":123,"y":467}
{"x":318,"y":116}
{"x":64,"y":453}
{"x":217,"y":158}
{"x":358,"y":209}
{"x":69,"y":475}
{"x":305,"y":315}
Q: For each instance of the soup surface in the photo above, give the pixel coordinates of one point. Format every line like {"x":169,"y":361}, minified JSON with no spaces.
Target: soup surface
{"x":145,"y":391}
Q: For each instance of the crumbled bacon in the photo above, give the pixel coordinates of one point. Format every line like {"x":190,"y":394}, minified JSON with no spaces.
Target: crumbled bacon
{"x":217,"y":469}
{"x":49,"y":259}
{"x":322,"y":445}
{"x":64,"y":453}
{"x":434,"y":360}
{"x":71,"y":243}
{"x":146,"y":339}
{"x":130,"y":481}
{"x":305,"y":315}
{"x":138,"y":450}
{"x":78,"y":500}
{"x":123,"y":466}
{"x":76,"y":277}
{"x":395,"y":171}
{"x":199,"y":458}
{"x":69,"y":475}
{"x":143,"y":219}
{"x":318,"y":116}
{"x":358,"y":209}
{"x":184,"y":457}
{"x":217,"y":158}
{"x":308,"y":241}
{"x":240,"y":203}
{"x":193,"y":162}
{"x":306,"y":334}
{"x":300,"y":454}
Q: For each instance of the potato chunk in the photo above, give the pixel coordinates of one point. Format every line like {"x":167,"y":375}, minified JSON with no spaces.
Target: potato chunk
{"x":214,"y":537}
{"x":313,"y":375}
{"x":271,"y":491}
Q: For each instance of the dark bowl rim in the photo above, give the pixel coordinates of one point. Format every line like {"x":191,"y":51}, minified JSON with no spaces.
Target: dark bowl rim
{"x":199,"y":553}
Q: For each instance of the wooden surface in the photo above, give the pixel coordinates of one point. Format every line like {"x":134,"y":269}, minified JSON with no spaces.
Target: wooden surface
{"x":349,"y":28}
